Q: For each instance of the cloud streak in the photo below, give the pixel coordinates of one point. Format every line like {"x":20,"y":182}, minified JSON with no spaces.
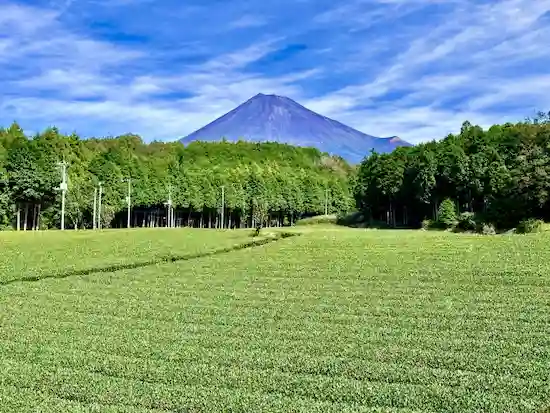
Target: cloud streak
{"x":411,"y":68}
{"x":468,"y":57}
{"x":247,"y":21}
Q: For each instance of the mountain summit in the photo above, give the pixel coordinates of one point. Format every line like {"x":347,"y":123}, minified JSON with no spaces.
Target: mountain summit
{"x":280,"y":119}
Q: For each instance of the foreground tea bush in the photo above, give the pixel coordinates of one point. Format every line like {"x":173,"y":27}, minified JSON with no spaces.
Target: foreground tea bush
{"x":331,"y":321}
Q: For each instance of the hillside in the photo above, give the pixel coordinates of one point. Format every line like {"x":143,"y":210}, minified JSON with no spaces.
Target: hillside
{"x":280,"y":119}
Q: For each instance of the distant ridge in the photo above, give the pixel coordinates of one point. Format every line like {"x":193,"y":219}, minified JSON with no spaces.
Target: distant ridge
{"x":280,"y":119}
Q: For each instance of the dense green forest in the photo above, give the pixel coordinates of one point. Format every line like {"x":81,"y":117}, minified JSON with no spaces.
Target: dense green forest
{"x":268,"y":183}
{"x":502,"y":175}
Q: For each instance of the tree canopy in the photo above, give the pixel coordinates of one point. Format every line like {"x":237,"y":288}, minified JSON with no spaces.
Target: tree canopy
{"x":501,"y":174}
{"x":269,"y":183}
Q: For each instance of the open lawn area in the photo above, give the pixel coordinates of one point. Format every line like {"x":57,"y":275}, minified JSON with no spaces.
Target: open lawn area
{"x":332,"y":320}
{"x":28,"y":255}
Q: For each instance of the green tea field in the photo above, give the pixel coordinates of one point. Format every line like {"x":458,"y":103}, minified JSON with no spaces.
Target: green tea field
{"x":329,"y":320}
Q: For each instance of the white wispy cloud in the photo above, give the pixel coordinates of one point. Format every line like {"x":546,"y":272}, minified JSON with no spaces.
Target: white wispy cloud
{"x":78,"y":82}
{"x":247,"y":21}
{"x":411,"y":68}
{"x":475,"y":51}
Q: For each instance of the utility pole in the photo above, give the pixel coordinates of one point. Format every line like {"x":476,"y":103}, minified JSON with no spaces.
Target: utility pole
{"x":99,"y":206}
{"x":243,"y":215}
{"x":326,"y":201}
{"x":63,"y":189}
{"x":169,"y":205}
{"x":128,"y":199}
{"x":95,"y":209}
{"x":223,"y":206}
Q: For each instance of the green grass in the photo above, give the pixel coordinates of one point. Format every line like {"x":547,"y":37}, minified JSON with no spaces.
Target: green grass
{"x":331,"y":321}
{"x":44,"y":254}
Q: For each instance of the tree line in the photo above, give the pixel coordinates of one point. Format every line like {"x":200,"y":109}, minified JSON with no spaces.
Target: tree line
{"x":502,"y":175}
{"x":263,"y":183}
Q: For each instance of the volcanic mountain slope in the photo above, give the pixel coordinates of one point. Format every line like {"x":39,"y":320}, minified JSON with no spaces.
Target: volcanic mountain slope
{"x":280,"y":119}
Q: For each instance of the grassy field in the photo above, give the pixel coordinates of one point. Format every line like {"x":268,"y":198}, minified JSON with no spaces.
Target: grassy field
{"x":28,"y":255}
{"x":334,"y":320}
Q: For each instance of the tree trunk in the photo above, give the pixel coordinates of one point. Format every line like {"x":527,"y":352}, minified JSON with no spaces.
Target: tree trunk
{"x":26,"y":216}
{"x":18,"y":217}
{"x":38,"y":217}
{"x":33,"y":226}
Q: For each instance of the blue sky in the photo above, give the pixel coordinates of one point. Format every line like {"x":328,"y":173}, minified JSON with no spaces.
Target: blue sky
{"x":164,"y":68}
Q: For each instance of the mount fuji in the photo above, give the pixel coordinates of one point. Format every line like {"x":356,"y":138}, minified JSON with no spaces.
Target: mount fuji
{"x":280,"y":119}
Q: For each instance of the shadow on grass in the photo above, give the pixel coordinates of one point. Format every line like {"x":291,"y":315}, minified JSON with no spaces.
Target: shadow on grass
{"x":166,"y":259}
